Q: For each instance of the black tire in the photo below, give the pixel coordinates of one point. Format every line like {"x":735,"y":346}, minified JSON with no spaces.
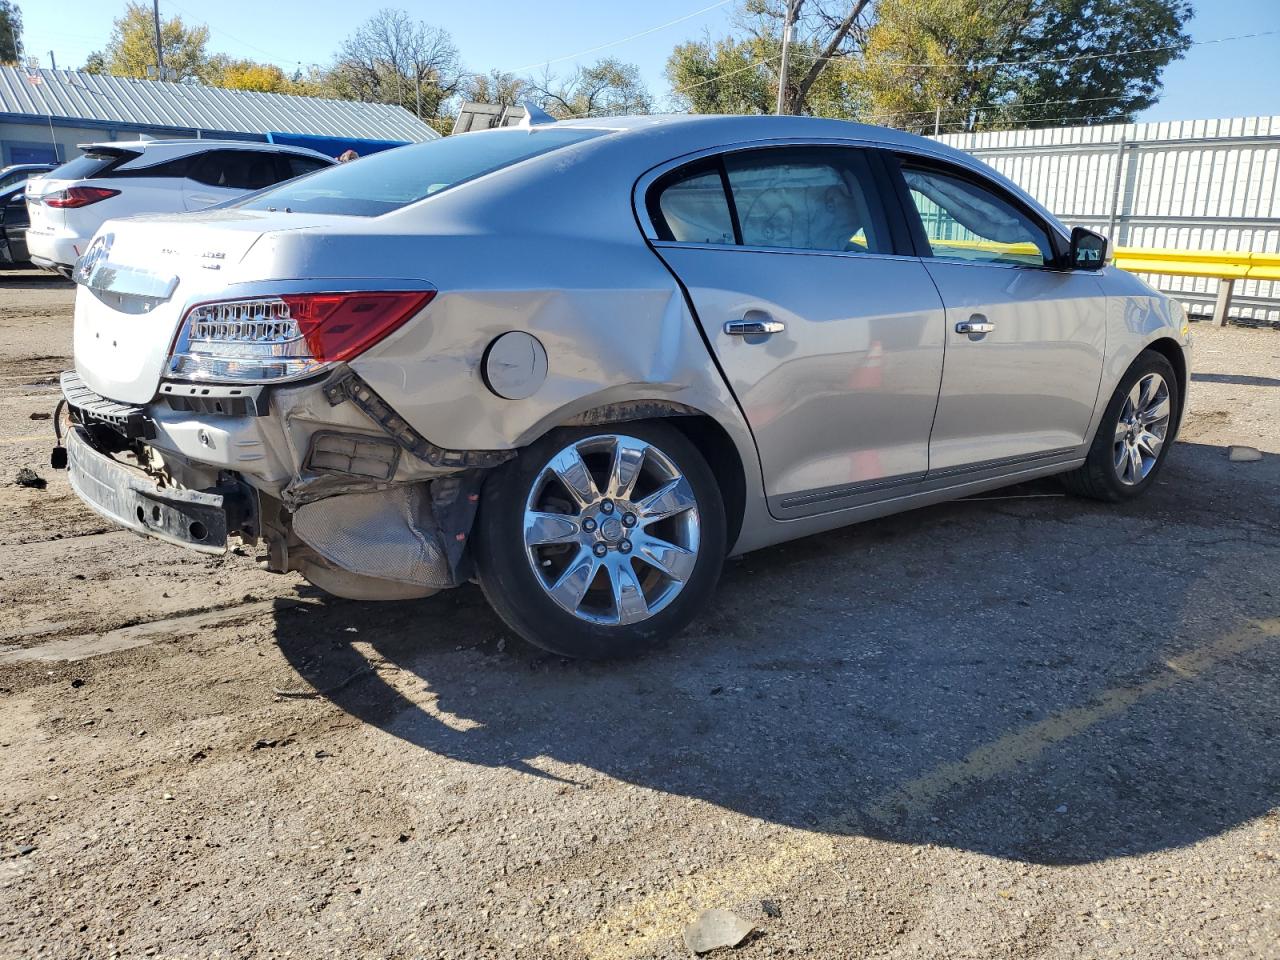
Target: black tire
{"x":1097,"y":478}
{"x":516,"y":592}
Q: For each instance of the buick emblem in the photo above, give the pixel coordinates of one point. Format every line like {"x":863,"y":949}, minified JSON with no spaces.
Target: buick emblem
{"x":96,"y":253}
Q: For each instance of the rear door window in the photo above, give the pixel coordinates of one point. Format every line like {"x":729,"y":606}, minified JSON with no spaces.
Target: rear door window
{"x":296,"y":166}
{"x":807,"y":198}
{"x":235,"y":169}
{"x":693,"y":208}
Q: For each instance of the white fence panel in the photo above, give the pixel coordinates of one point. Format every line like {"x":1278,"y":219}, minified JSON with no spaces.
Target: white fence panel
{"x":1192,"y":184}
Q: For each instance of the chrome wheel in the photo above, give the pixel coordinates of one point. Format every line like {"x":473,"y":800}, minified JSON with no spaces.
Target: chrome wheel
{"x":1141,"y":430}
{"x":611,"y":529}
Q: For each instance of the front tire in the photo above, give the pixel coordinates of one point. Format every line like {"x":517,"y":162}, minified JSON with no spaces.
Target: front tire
{"x":1134,"y":436}
{"x":601,"y":543}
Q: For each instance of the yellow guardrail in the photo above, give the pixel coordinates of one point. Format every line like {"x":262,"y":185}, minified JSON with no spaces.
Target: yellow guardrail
{"x":1225,"y":265}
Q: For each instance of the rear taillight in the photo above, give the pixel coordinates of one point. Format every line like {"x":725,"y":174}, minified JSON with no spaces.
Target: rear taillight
{"x":279,"y":338}
{"x":78,"y":196}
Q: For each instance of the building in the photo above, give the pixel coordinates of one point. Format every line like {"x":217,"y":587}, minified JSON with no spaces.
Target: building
{"x":44,"y":114}
{"x":486,"y":116}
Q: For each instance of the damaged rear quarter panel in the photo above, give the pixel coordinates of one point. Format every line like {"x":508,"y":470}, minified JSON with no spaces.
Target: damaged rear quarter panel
{"x":630,"y":340}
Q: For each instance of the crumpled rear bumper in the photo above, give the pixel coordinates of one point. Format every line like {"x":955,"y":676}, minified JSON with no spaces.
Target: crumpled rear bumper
{"x":198,"y":520}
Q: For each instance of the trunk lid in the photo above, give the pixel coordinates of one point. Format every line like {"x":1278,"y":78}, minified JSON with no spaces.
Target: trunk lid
{"x":135,"y":282}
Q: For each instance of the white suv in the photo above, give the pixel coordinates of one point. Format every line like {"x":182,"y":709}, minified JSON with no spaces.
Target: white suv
{"x":125,"y":178}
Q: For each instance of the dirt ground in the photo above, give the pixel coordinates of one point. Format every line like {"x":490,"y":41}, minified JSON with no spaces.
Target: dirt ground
{"x":1023,"y":725}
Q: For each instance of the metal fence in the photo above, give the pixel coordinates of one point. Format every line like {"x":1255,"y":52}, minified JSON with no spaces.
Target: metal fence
{"x":1191,"y":185}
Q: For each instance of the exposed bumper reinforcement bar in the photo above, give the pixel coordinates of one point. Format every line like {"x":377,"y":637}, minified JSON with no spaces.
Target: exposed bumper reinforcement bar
{"x":194,"y":519}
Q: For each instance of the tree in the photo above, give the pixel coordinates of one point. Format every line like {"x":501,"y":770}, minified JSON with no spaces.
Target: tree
{"x":496,"y":87}
{"x":925,"y":55}
{"x":977,"y":64}
{"x":10,"y":32}
{"x":1110,"y":81}
{"x":249,"y":75}
{"x":131,"y":51}
{"x":739,"y":73}
{"x":392,"y":58}
{"x":607,"y":88}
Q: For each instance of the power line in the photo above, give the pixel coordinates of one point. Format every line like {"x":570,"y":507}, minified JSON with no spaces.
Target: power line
{"x":721,"y":76}
{"x":244,"y":43}
{"x":943,"y":65}
{"x":614,"y":43}
{"x":993,"y":106}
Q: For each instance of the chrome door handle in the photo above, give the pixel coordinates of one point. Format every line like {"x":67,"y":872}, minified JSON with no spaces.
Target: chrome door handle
{"x":975,"y":325}
{"x":747,"y":328}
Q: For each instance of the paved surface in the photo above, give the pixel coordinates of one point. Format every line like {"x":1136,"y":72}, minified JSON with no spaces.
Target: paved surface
{"x":1024,"y":725}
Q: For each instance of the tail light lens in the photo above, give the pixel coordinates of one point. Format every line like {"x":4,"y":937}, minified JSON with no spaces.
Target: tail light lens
{"x":292,"y":335}
{"x":78,"y":196}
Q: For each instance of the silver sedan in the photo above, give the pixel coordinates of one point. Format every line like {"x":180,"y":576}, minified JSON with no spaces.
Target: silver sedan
{"x":584,"y":362}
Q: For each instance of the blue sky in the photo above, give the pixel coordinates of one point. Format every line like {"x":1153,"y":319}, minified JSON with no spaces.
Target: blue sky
{"x":1214,"y":80}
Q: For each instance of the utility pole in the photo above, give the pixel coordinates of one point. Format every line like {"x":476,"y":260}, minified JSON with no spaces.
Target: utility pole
{"x":53,"y":62}
{"x":155,"y":13}
{"x":937,"y":121}
{"x":786,"y":55}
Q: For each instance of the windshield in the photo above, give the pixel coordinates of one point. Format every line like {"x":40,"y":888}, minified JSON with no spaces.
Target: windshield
{"x":395,"y":178}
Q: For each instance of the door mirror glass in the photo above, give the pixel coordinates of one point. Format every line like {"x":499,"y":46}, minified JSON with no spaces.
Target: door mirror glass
{"x":1088,"y":250}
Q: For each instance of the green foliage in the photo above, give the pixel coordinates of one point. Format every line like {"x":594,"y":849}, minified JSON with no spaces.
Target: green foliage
{"x":10,"y":33}
{"x":131,"y":51}
{"x":1105,"y":86}
{"x":996,"y":63}
{"x":723,"y":76}
{"x":607,"y":88}
{"x":977,"y":63}
{"x":496,"y":87}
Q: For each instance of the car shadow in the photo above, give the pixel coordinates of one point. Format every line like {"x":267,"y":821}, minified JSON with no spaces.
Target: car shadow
{"x":1238,"y":379}
{"x":1031,"y":676}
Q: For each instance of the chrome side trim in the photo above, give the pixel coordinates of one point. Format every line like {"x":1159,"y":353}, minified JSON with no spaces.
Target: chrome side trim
{"x":844,"y":491}
{"x":1003,"y":462}
{"x":867,"y":493}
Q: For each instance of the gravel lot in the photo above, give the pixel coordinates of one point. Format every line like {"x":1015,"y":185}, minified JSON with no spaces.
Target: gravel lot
{"x":1022,"y":725}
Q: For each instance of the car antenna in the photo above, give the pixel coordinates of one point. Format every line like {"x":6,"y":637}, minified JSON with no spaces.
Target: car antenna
{"x":534,"y":115}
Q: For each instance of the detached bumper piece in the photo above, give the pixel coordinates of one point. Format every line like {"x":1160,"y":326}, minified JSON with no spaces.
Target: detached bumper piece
{"x":125,"y":419}
{"x":198,"y":520}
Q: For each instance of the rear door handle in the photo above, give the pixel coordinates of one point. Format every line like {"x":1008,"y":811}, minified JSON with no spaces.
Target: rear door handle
{"x":977,"y":324}
{"x":754,"y":326}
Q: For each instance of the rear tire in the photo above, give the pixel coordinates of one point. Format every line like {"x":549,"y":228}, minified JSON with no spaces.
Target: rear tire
{"x":601,"y":542}
{"x":1135,"y":434}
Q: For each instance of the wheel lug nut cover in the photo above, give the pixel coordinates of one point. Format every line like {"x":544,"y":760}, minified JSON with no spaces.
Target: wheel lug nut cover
{"x":629,"y":520}
{"x":588,"y":525}
{"x":625,"y":546}
{"x":601,"y":549}
{"x":607,"y":507}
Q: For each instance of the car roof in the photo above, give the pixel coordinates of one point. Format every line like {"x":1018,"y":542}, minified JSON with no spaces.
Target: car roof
{"x":691,"y":133}
{"x":763,"y":126}
{"x":178,"y":147}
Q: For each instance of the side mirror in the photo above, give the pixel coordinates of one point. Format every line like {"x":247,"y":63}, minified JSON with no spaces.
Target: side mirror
{"x":1088,"y":250}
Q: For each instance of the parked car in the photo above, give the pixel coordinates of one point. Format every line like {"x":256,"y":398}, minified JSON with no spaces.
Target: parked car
{"x":19,"y":173}
{"x":585,"y":361}
{"x":125,"y":178}
{"x":13,"y":226}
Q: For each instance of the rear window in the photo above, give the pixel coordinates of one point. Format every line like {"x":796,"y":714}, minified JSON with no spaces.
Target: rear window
{"x":395,"y":178}
{"x":89,"y":165}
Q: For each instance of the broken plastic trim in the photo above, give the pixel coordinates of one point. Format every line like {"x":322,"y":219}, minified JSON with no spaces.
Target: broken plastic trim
{"x":351,"y":387}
